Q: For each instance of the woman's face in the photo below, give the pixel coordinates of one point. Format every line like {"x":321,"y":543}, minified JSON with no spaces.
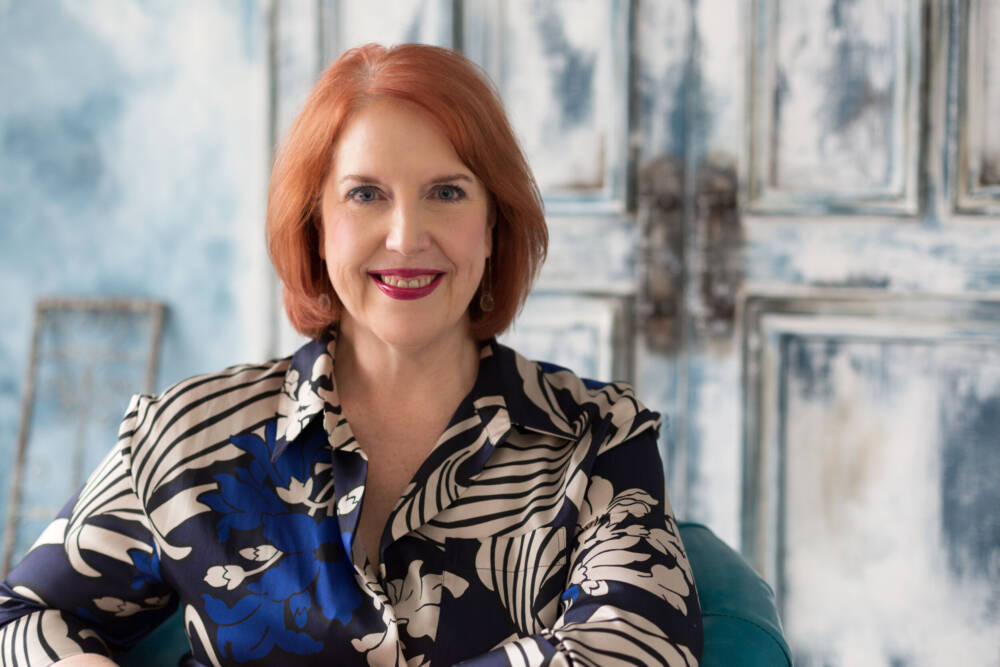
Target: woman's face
{"x":405,"y":228}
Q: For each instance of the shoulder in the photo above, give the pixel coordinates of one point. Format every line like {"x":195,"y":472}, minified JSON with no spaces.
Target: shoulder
{"x":204,"y":408}
{"x":569,"y":399}
{"x":614,"y":400}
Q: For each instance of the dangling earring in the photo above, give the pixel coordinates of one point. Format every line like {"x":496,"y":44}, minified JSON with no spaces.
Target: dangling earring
{"x":324,"y":301}
{"x":485,"y":298}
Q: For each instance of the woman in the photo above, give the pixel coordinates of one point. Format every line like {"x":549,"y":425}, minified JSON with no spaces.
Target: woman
{"x":403,"y":489}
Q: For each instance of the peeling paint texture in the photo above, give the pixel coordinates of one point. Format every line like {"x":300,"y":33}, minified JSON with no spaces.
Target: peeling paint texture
{"x":133,"y":163}
{"x":898,"y":540}
{"x":835,"y":93}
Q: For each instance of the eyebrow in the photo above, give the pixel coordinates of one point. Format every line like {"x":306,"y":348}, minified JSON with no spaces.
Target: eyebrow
{"x":451,"y":177}
{"x":360,"y":177}
{"x":439,"y":179}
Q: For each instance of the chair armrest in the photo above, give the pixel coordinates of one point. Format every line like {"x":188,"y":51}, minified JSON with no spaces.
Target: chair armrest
{"x":739,"y":614}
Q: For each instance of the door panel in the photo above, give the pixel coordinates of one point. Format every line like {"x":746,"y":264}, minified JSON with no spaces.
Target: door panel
{"x":562,"y":69}
{"x":835,"y":106}
{"x":871,"y":467}
{"x":832,"y":91}
{"x":582,"y":333}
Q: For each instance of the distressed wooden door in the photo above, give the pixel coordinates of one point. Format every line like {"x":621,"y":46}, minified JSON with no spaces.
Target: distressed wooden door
{"x":780,"y":220}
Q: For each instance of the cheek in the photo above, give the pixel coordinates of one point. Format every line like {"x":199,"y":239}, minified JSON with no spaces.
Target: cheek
{"x":344,"y":244}
{"x":470,"y":242}
{"x":468,"y":253}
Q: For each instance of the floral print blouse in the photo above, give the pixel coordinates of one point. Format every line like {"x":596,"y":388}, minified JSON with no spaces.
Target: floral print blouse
{"x":537,"y":531}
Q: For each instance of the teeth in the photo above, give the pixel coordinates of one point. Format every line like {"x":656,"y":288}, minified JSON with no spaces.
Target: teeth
{"x":412,"y":283}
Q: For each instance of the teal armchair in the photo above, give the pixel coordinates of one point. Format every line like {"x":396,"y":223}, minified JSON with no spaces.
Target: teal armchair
{"x":738,"y":611}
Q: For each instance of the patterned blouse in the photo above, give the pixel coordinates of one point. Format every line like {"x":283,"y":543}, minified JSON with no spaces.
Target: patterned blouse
{"x":537,"y":531}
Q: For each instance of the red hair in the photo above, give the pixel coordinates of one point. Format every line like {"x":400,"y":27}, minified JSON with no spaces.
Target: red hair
{"x":460,"y":98}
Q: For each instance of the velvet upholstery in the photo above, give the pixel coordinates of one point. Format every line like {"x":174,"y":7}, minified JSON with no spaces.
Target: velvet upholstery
{"x":738,"y":609}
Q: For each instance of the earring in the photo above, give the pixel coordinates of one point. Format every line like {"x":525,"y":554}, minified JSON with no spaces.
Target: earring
{"x":324,"y":301}
{"x":485,"y":298}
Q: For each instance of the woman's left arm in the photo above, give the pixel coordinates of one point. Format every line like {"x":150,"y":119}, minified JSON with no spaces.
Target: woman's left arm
{"x":91,"y":583}
{"x":630,"y":595}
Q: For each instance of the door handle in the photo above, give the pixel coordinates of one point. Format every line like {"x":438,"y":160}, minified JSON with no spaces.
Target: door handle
{"x":660,"y":214}
{"x":695,"y":248}
{"x":719,"y":238}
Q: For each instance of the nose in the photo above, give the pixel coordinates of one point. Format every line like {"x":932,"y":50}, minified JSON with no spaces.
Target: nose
{"x":407,"y":233}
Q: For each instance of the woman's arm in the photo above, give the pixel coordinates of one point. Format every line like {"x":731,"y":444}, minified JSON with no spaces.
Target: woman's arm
{"x":630,"y":594}
{"x":91,"y":582}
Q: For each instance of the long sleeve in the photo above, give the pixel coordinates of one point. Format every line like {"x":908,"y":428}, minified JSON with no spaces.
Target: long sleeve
{"x":629,"y":596}
{"x":91,"y":582}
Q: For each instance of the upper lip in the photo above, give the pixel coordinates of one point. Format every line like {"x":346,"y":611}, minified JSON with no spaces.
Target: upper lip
{"x":405,"y":273}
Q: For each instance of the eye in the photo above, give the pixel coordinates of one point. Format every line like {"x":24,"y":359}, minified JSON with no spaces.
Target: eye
{"x":363,"y":194}
{"x":449,"y":192}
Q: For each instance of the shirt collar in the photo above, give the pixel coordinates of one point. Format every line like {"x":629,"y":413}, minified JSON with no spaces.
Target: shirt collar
{"x":506,"y":383}
{"x":306,"y":390}
{"x":523,"y":389}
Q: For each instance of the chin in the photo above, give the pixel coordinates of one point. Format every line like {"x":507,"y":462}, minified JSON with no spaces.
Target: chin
{"x":407,"y":333}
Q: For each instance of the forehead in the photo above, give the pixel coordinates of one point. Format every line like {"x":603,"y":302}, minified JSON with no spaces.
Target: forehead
{"x":389,"y":134}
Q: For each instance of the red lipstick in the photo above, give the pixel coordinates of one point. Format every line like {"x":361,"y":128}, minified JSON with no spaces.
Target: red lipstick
{"x":406,"y":293}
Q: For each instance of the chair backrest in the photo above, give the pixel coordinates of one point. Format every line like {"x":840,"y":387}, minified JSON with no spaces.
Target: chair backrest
{"x":740,"y":617}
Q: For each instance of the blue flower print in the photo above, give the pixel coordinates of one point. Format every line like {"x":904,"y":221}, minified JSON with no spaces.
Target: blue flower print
{"x":297,"y":548}
{"x":244,"y":498}
{"x":252,"y":627}
{"x":310,"y":547}
{"x":147,"y":568}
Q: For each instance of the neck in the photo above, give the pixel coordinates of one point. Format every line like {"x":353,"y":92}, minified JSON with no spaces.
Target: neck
{"x":370,"y":369}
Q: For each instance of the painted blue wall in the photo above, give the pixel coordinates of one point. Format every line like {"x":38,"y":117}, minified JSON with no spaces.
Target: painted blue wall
{"x":133,"y":162}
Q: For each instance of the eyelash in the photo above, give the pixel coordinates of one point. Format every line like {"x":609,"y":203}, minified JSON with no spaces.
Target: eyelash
{"x":459,"y":192}
{"x":354,"y":192}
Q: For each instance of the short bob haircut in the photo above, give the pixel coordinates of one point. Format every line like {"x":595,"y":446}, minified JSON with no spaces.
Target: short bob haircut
{"x":468,"y":109}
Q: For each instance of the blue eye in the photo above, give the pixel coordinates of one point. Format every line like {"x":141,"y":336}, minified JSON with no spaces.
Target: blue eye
{"x":450,"y":193}
{"x":363,"y":194}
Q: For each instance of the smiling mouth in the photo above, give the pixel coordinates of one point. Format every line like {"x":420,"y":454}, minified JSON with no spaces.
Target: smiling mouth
{"x":415,"y":282}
